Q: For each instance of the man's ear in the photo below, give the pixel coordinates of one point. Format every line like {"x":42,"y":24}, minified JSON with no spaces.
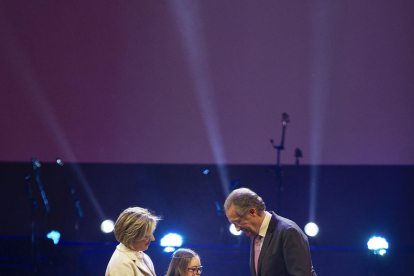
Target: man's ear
{"x":253,"y":212}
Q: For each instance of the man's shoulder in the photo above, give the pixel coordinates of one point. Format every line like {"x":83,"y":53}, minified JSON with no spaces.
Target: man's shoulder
{"x":284,"y":223}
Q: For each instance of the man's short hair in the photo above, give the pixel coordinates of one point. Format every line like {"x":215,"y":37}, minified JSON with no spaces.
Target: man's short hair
{"x":245,"y":199}
{"x":134,"y":223}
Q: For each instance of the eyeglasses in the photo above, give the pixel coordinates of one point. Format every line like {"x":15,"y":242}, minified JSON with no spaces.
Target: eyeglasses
{"x":237,"y":222}
{"x":148,"y":237}
{"x":196,"y":270}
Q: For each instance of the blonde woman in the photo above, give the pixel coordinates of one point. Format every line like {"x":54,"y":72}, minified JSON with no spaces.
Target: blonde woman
{"x":134,"y":230}
{"x":184,"y":262}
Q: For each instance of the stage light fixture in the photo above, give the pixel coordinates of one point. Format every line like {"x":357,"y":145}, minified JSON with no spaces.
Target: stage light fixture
{"x":171,"y":241}
{"x":206,"y":171}
{"x":234,"y":231}
{"x":54,"y":235}
{"x":169,"y":249}
{"x":107,"y":226}
{"x":59,"y":161}
{"x":311,"y":229}
{"x":378,"y":245}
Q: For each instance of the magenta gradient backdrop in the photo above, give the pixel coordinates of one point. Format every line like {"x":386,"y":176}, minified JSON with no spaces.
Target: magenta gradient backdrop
{"x":112,"y":81}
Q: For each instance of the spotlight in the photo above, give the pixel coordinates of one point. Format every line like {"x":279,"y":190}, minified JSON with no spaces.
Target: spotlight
{"x":311,"y":229}
{"x":59,"y":162}
{"x":107,"y":226}
{"x":54,"y":235}
{"x":234,"y":231}
{"x":169,"y":249}
{"x":378,"y":245}
{"x":206,"y":171}
{"x":172,"y":239}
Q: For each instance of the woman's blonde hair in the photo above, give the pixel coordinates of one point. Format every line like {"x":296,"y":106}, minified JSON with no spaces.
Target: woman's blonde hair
{"x":179,"y":262}
{"x":134,"y":223}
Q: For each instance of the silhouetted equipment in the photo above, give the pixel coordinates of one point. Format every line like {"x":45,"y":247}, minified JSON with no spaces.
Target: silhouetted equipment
{"x":298,"y":154}
{"x":279,"y":182}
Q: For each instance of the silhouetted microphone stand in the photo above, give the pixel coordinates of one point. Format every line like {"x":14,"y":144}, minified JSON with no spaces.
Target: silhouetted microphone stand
{"x":298,"y":154}
{"x":279,"y":182}
{"x":33,"y":206}
{"x":36,"y":168}
{"x":213,"y":191}
{"x":79,"y":212}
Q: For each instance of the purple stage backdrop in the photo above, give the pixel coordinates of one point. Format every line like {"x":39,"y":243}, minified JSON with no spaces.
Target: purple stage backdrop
{"x":206,"y":82}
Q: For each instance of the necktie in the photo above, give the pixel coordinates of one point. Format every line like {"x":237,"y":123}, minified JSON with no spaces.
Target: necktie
{"x":256,"y":251}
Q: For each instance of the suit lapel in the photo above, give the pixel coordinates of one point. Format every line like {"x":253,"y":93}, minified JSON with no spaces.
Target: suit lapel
{"x":142,"y":270}
{"x":269,"y":236}
{"x":252,"y":257}
{"x":141,"y":266}
{"x":146,"y":261}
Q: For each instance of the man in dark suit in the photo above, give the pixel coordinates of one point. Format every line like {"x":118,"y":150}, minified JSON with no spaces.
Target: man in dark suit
{"x":278,"y":247}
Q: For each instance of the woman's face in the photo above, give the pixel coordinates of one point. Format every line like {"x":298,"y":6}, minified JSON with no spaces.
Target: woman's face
{"x":194,"y":267}
{"x":142,"y":245}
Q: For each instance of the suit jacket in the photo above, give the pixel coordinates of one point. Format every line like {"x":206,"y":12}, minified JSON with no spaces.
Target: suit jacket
{"x":285,"y":250}
{"x":125,"y":262}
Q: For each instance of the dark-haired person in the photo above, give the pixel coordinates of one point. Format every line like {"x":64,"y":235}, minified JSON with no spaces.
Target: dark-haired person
{"x":278,"y":246}
{"x":134,"y":230}
{"x":184,"y":262}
